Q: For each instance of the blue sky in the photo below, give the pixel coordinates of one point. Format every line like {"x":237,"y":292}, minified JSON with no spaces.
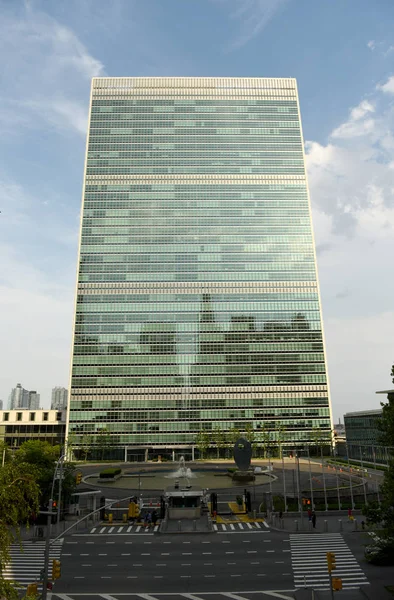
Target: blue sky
{"x":342,"y":54}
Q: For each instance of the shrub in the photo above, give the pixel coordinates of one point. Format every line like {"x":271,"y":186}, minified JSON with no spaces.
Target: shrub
{"x":109,"y":473}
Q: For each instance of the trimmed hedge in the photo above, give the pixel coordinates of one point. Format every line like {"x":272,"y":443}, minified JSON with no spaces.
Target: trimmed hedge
{"x":109,"y":473}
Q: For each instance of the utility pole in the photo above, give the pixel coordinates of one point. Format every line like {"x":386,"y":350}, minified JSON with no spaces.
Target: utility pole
{"x":299,"y":487}
{"x":60,"y":488}
{"x":46,"y":553}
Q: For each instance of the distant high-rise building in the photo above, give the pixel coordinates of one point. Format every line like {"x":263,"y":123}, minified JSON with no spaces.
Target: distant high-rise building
{"x":198,"y":306}
{"x":25,"y":399}
{"x":59,"y":398}
{"x":1,"y":405}
{"x":34,"y":400}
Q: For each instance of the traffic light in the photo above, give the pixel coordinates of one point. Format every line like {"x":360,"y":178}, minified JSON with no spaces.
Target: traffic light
{"x":56,"y":569}
{"x":54,"y":504}
{"x":336,"y":583}
{"x":331,"y":561}
{"x":78,"y":478}
{"x":32,"y":590}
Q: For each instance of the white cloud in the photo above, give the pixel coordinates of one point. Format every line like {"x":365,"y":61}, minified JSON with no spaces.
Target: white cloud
{"x":252,"y":16}
{"x":47,"y":73}
{"x":387,"y":87}
{"x":357,"y":124}
{"x":352,"y":195}
{"x":371,"y":45}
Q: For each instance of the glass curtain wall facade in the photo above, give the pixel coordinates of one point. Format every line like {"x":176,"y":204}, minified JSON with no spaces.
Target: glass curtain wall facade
{"x":197,"y":296}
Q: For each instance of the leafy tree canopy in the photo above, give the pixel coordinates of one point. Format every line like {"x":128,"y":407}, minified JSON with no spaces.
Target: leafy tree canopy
{"x":19,"y":499}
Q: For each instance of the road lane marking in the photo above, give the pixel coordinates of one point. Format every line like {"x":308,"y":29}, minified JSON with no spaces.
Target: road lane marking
{"x":102,"y":555}
{"x":110,"y":530}
{"x":125,"y":554}
{"x":186,"y":564}
{"x":240,"y":525}
{"x":252,"y":552}
{"x":84,"y":554}
{"x":93,"y":530}
{"x":86,"y":565}
{"x":129,"y":528}
{"x":270,"y":550}
{"x":232,"y":526}
{"x":186,"y":553}
{"x":249,"y":525}
{"x":161,"y":564}
{"x":138,"y":528}
{"x":207,"y":553}
{"x":102,"y":529}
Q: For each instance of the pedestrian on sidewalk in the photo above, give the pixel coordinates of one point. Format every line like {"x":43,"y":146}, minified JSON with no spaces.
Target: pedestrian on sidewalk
{"x":313,"y":518}
{"x":154,"y":518}
{"x":309,"y":514}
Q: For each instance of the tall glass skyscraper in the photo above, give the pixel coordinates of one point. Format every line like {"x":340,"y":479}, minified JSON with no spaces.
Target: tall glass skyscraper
{"x":197,"y":303}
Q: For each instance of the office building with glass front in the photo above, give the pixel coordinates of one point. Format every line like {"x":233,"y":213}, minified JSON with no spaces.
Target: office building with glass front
{"x":197,"y":307}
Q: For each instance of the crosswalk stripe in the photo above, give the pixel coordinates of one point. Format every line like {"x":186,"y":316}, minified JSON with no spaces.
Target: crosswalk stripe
{"x":224,"y":527}
{"x":93,"y":530}
{"x":240,"y":525}
{"x":215,"y":527}
{"x":138,"y":528}
{"x":130,"y":527}
{"x":25,"y":566}
{"x":120,"y":529}
{"x":249,"y":525}
{"x":102,"y":530}
{"x":258,"y":525}
{"x":309,"y":562}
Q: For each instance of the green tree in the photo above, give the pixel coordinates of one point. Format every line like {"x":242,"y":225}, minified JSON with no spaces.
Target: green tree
{"x":19,"y":499}
{"x":250,"y":435}
{"x":85,"y":446}
{"x":202,"y":442}
{"x":103,"y":441}
{"x":219,"y":438}
{"x":265,"y":440}
{"x":280,"y":437}
{"x":43,"y":457}
{"x":386,"y":426}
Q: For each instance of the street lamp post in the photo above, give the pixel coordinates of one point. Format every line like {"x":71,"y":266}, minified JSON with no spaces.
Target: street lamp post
{"x":299,"y":487}
{"x":48,"y":531}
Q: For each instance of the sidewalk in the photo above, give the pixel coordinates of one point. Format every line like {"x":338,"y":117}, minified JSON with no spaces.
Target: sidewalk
{"x":325,"y":523}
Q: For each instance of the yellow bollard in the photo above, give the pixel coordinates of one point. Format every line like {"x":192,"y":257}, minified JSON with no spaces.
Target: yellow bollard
{"x":32,"y":589}
{"x":110,"y":517}
{"x":124,"y":518}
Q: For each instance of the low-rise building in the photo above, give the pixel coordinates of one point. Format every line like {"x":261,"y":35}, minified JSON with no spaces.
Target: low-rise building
{"x":18,"y":426}
{"x":363,"y":436}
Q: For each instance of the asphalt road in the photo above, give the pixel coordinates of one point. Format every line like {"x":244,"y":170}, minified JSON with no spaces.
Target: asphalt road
{"x":143,"y":563}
